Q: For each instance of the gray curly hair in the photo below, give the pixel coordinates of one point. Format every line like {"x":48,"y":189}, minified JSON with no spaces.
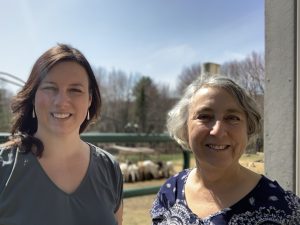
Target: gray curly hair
{"x":178,"y":116}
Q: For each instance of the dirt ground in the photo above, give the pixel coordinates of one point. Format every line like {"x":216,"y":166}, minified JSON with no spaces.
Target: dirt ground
{"x":136,"y":210}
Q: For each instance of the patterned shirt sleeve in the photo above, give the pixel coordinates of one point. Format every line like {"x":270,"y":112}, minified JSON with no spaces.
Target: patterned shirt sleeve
{"x":294,"y":204}
{"x":159,"y":207}
{"x":167,"y":197}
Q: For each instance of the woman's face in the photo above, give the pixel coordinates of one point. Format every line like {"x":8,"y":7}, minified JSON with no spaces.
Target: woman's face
{"x":217,"y":128}
{"x":62,"y":100}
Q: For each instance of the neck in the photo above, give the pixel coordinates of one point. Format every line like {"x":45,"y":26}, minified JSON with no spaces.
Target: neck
{"x":222,"y":178}
{"x":219,"y":191}
{"x":60,"y":146}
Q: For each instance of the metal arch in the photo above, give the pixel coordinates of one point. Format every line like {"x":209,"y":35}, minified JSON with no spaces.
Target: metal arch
{"x":16,"y":80}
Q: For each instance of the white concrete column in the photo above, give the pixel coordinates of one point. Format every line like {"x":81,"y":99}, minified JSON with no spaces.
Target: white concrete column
{"x":280,"y":94}
{"x":298,"y":103}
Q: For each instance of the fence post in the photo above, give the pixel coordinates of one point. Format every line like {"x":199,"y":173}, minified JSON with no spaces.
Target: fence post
{"x":186,"y":159}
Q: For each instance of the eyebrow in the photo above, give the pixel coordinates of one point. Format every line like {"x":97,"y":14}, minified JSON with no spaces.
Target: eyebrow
{"x":208,"y":109}
{"x":73,"y":85}
{"x":76,"y":85}
{"x":201,"y":110}
{"x":238,"y":111}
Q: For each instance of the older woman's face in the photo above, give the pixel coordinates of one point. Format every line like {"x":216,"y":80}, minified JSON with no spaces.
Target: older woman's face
{"x":217,"y":128}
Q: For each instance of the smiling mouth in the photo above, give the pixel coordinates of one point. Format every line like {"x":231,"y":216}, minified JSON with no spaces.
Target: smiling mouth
{"x":217,"y":147}
{"x":61,"y":115}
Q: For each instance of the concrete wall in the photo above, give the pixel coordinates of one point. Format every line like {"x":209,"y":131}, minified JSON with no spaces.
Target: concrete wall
{"x":280,"y":93}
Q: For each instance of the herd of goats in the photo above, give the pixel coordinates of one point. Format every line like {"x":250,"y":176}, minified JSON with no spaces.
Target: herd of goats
{"x":146,"y":170}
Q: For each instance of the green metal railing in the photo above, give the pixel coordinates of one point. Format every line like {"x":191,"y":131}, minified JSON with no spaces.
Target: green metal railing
{"x":95,"y":137}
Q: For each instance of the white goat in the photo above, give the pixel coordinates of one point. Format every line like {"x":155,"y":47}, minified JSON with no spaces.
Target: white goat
{"x":166,"y":169}
{"x":124,"y":170}
{"x":130,"y":172}
{"x":133,"y":172}
{"x":148,"y":170}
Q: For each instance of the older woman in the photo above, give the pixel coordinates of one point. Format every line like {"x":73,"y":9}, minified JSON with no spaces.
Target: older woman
{"x":48,"y":175}
{"x":215,"y":120}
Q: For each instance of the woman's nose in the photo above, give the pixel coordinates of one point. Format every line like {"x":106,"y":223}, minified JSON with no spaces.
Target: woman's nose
{"x":61,"y":98}
{"x":218,"y":129}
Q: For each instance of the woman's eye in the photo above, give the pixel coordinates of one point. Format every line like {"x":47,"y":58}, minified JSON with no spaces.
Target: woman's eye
{"x":233,"y":118}
{"x":204,"y":117}
{"x":76,"y":90}
{"x":49,"y":88}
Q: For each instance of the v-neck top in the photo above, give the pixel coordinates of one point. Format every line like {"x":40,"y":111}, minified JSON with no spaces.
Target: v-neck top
{"x":30,"y":197}
{"x":266,"y":203}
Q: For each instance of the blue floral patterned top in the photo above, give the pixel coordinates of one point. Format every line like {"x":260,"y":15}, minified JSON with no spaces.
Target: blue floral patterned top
{"x":266,"y":204}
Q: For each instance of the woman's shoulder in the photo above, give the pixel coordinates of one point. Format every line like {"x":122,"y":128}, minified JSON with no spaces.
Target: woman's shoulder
{"x":171,"y":192}
{"x":103,"y":158}
{"x":7,"y":152}
{"x":177,"y":179}
{"x":269,"y":193}
{"x":101,"y":154}
{"x":272,"y":187}
{"x":275,"y":189}
{"x":267,"y":201}
{"x":173,"y":188}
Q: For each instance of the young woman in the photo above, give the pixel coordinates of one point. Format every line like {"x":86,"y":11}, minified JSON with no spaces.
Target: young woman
{"x":48,"y":175}
{"x":215,"y":119}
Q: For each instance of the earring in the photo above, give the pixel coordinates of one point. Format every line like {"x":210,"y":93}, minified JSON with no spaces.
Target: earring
{"x":88,"y":115}
{"x":33,"y":113}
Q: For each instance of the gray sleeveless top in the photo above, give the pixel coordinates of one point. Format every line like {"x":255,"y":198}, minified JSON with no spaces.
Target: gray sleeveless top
{"x":31,"y":198}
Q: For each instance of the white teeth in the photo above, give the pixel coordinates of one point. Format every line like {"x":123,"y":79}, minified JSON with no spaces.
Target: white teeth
{"x":218,"y":147}
{"x":61,"y":115}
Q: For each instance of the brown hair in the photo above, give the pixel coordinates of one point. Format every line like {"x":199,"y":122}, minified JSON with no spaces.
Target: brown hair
{"x":23,"y":124}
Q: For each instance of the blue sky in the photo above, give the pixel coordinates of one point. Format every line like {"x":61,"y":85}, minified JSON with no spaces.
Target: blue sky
{"x":156,"y":38}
